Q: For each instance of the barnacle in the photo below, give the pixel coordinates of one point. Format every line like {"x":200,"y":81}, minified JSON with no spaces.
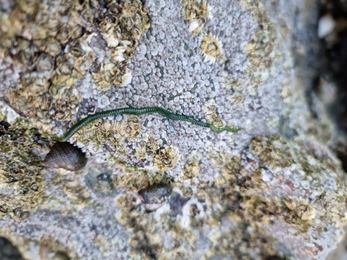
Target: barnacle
{"x":191,"y":167}
{"x":211,"y":113}
{"x":166,"y":159}
{"x":130,"y":128}
{"x":152,"y":146}
{"x":212,"y":49}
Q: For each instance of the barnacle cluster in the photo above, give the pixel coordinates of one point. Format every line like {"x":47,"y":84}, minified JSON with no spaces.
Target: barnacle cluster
{"x":196,"y":13}
{"x":298,"y":208}
{"x":21,"y":173}
{"x":114,"y":136}
{"x":54,"y":45}
{"x":137,"y":179}
{"x":164,"y":158}
{"x":47,"y":51}
{"x":130,"y":128}
{"x":281,"y":185}
{"x":184,"y":218}
{"x":103,"y":131}
{"x":245,"y":201}
{"x":261,"y":49}
{"x":98,"y":132}
{"x":267,"y":152}
{"x":121,"y":27}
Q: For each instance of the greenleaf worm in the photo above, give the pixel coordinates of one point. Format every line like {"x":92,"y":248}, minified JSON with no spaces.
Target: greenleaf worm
{"x":137,"y":111}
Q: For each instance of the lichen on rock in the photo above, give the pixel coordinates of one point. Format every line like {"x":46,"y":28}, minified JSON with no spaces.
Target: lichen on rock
{"x":21,"y":172}
{"x":155,"y":188}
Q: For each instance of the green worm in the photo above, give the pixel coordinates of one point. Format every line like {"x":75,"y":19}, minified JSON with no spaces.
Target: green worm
{"x":137,"y":111}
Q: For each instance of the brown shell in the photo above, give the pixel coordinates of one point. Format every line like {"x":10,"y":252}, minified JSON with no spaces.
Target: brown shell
{"x":65,"y":155}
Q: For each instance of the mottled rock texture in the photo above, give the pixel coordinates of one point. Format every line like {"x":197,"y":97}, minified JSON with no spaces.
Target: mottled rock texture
{"x":153,"y":188}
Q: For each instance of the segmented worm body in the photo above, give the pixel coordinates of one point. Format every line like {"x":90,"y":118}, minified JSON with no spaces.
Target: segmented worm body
{"x":137,"y":111}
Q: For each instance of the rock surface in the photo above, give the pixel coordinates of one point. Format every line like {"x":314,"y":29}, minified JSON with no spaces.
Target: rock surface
{"x":155,"y":188}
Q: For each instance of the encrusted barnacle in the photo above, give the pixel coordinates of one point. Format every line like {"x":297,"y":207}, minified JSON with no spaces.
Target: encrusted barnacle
{"x":51,"y":46}
{"x":120,"y":26}
{"x":153,"y":197}
{"x":62,"y":115}
{"x":20,"y":214}
{"x":82,"y":64}
{"x":260,"y":50}
{"x":65,"y":155}
{"x":44,"y":62}
{"x":65,"y":68}
{"x":26,"y":52}
{"x":152,"y":146}
{"x":58,"y":42}
{"x":76,"y":31}
{"x":196,"y":26}
{"x":191,"y":167}
{"x":130,"y":128}
{"x":77,"y":50}
{"x":65,"y":81}
{"x":112,"y":74}
{"x":44,"y":102}
{"x":166,"y":159}
{"x":127,"y":23}
{"x":63,"y":35}
{"x":212,"y":49}
{"x":114,"y":8}
{"x":98,"y":132}
{"x":53,"y":24}
{"x":196,"y":13}
{"x":211,"y":113}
